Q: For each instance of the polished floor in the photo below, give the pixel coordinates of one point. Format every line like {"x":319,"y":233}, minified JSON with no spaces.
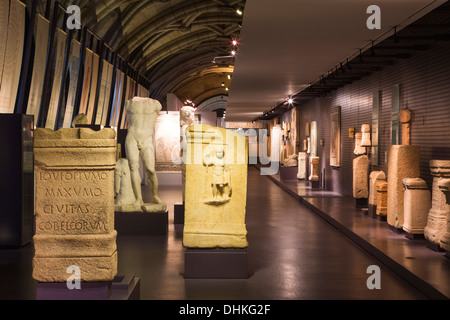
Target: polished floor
{"x":294,"y":254}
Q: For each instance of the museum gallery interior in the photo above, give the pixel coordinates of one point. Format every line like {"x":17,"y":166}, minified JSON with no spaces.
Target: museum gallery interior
{"x":225,"y":150}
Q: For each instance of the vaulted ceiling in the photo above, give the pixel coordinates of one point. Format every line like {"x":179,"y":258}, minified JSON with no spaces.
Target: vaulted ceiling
{"x":170,"y":42}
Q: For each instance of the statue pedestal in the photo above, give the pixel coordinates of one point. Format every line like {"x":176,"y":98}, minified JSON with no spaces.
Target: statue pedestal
{"x":216,"y":263}
{"x":142,"y":223}
{"x":361,"y":202}
{"x":288,"y":173}
{"x":178,"y":213}
{"x":120,"y":288}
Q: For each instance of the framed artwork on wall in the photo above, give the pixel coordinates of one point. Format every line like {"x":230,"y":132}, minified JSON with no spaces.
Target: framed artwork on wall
{"x":335,"y":137}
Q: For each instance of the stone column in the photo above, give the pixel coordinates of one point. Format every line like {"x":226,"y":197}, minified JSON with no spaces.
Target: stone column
{"x":216,"y":188}
{"x":375,"y":176}
{"x":405,"y":120}
{"x":444,"y":186}
{"x":360,"y":179}
{"x":437,"y":216}
{"x":382,"y":197}
{"x":365,"y":130}
{"x":74,"y":173}
{"x":404,"y":162}
{"x":417,"y":203}
{"x":314,"y":176}
{"x":301,"y":165}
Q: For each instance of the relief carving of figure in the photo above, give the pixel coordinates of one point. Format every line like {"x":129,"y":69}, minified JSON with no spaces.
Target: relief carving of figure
{"x":220,"y":175}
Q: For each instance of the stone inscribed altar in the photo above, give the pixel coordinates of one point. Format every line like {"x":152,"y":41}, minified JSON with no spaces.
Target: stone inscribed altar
{"x":216,"y":188}
{"x":360,"y":177}
{"x":74,"y":174}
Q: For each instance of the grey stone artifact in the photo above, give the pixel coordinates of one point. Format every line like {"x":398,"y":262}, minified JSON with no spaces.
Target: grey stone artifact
{"x":74,"y":174}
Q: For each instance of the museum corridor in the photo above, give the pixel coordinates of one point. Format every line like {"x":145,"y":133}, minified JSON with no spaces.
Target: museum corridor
{"x":293,"y":254}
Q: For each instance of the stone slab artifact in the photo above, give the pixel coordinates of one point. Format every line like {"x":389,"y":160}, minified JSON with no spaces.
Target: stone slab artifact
{"x":374,"y":177}
{"x":74,"y":173}
{"x":382,"y":197}
{"x":301,"y":165}
{"x":403,"y":162}
{"x":437,"y":216}
{"x":216,"y":188}
{"x":444,"y":186}
{"x":290,"y":161}
{"x":314,"y":176}
{"x":359,"y":150}
{"x":139,"y":143}
{"x":360,"y":177}
{"x":405,"y":120}
{"x":187,"y":118}
{"x":365,"y":130}
{"x":417,"y":203}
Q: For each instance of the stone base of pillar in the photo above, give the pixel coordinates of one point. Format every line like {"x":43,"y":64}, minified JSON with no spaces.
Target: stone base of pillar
{"x":178,"y":213}
{"x":414,"y":236}
{"x":362,"y":202}
{"x":141,"y":223}
{"x":395,"y":229}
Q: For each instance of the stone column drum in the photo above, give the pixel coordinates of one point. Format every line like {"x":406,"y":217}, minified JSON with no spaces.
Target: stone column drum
{"x":416,"y":204}
{"x":301,"y":165}
{"x":444,"y":186}
{"x":404,"y":162}
{"x":74,"y":173}
{"x":216,"y":188}
{"x":382,"y":197}
{"x":437,"y":216}
{"x":374,"y":178}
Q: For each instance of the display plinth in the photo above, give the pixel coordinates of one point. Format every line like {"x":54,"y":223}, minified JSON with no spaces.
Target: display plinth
{"x":216,"y":263}
{"x":178,"y":213}
{"x":60,"y":291}
{"x":372,"y":211}
{"x":434,"y":247}
{"x":120,"y":288}
{"x":126,"y":287}
{"x":382,"y":218}
{"x":141,"y":223}
{"x":361,"y":202}
{"x":315,"y":184}
{"x":288,"y":173}
{"x":395,"y":229}
{"x":414,"y":236}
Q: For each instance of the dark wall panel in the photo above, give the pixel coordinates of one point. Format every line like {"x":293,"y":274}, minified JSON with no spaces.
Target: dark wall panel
{"x":424,"y":81}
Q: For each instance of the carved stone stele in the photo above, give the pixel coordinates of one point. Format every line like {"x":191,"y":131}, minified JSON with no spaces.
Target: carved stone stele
{"x":437,"y":216}
{"x":216,"y":188}
{"x":404,"y":162}
{"x":314,"y":176}
{"x":301,"y":165}
{"x":360,"y":177}
{"x":417,"y":203}
{"x":382,"y":198}
{"x":74,"y":174}
{"x":374,"y":177}
{"x":187,"y":118}
{"x":444,"y":186}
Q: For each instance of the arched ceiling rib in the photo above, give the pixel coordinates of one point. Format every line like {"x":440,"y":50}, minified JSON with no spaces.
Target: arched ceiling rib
{"x":170,"y":42}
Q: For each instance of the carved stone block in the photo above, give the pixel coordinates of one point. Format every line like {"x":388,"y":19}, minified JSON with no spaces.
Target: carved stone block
{"x":301,"y":165}
{"x":360,"y":177}
{"x":417,"y":203}
{"x":404,"y":162}
{"x":74,"y":173}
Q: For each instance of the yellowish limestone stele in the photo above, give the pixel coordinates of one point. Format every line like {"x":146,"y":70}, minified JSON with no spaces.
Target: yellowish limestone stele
{"x":74,"y":204}
{"x":216,"y":188}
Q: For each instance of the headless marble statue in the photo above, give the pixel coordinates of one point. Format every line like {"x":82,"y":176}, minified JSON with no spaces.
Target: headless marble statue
{"x":141,"y":116}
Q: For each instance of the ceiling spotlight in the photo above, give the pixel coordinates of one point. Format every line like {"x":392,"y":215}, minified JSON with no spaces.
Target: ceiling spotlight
{"x":229,"y":77}
{"x":227,"y":89}
{"x":233,"y":53}
{"x":234,"y":42}
{"x":239,"y":12}
{"x":223,"y":84}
